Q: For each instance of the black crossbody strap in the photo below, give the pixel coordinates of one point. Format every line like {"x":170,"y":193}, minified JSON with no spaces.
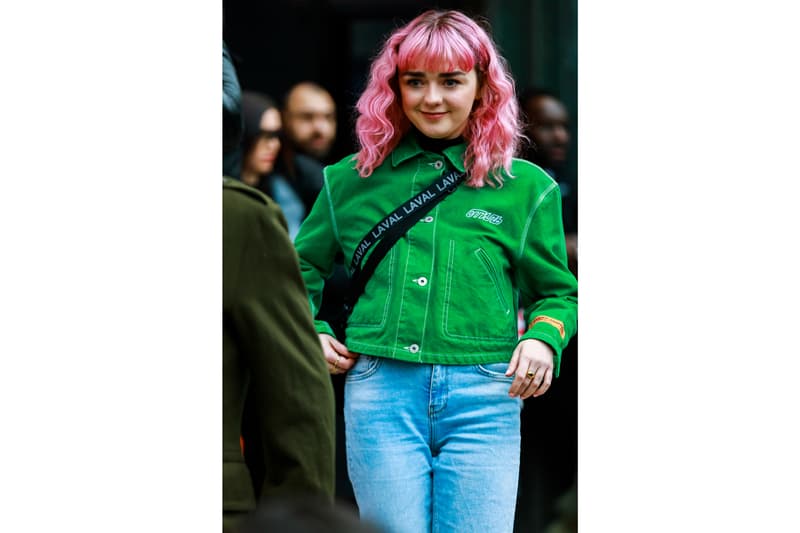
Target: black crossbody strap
{"x":387,"y":232}
{"x":410,"y":209}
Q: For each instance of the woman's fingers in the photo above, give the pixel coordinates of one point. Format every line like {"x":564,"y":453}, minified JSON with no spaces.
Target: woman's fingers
{"x":338,"y":357}
{"x":533,"y":371}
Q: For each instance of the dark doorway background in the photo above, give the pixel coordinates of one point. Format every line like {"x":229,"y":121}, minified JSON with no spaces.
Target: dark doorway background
{"x":276,"y":43}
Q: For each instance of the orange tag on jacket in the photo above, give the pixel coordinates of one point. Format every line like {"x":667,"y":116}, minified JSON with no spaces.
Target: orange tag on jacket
{"x":552,"y":321}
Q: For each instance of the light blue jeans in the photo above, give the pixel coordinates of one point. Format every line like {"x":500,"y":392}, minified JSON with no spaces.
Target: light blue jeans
{"x":432,"y":448}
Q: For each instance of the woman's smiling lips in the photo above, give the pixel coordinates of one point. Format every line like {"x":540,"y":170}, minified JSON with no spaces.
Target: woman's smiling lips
{"x":433,"y":116}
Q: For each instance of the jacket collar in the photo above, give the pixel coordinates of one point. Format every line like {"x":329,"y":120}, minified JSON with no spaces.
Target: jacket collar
{"x":409,"y":148}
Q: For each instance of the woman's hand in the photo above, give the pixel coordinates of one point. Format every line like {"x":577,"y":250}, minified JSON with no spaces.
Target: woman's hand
{"x":338,"y":357}
{"x":532,"y":365}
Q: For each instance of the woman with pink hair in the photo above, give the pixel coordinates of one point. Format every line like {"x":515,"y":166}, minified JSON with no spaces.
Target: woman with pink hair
{"x":436,"y":370}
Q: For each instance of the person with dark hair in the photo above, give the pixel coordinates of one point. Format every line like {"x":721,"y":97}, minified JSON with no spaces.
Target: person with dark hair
{"x":463,"y":233}
{"x":309,"y":114}
{"x":271,"y":355}
{"x":261,"y":148}
{"x":293,"y":180}
{"x":547,"y":126}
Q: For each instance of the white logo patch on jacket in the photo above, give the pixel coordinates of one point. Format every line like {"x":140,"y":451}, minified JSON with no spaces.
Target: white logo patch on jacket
{"x":480,"y":214}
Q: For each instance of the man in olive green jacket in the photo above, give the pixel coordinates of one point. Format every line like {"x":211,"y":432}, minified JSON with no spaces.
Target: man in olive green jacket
{"x":271,"y":352}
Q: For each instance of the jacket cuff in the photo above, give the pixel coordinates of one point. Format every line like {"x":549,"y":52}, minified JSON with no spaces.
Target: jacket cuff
{"x":323,"y":327}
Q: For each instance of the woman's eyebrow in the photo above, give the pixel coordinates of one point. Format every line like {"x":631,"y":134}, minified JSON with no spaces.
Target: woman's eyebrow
{"x":453,"y":74}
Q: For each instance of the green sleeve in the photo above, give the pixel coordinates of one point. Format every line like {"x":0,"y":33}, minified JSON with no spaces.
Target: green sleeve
{"x":289,"y":378}
{"x":317,"y":244}
{"x":548,"y":290}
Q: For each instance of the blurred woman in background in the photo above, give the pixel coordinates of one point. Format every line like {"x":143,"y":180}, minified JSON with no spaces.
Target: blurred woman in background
{"x":261,"y":144}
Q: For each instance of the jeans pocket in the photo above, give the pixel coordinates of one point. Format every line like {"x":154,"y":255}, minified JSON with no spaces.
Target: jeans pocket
{"x":365,"y":366}
{"x":495,"y":371}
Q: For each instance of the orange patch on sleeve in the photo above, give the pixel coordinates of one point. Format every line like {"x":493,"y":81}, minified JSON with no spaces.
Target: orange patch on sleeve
{"x":552,"y":321}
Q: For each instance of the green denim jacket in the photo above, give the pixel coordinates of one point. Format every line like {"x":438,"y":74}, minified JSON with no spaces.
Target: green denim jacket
{"x":448,"y":291}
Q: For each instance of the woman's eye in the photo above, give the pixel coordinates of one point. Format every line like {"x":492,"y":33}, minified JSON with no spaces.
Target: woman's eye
{"x":451,"y":82}
{"x":411,"y":82}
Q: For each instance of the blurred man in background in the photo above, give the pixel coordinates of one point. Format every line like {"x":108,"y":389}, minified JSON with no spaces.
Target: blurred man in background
{"x":309,"y":115}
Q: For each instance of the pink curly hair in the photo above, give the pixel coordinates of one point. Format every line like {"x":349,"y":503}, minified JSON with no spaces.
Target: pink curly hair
{"x":442,"y":41}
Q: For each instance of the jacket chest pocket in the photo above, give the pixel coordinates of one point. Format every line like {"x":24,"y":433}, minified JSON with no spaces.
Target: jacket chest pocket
{"x":477,"y":301}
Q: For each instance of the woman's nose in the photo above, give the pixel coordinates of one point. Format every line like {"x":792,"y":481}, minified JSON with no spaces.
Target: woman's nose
{"x":433,"y":94}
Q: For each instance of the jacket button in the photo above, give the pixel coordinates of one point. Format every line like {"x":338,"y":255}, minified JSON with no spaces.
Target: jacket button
{"x":421,"y":281}
{"x":438,"y":165}
{"x":414,"y":348}
{"x":428,"y":219}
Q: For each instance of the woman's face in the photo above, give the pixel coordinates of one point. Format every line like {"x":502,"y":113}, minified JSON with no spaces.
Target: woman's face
{"x":438,"y":103}
{"x":261,"y":159}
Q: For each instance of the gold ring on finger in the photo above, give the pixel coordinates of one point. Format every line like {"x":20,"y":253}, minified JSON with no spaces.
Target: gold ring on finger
{"x":530,"y":374}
